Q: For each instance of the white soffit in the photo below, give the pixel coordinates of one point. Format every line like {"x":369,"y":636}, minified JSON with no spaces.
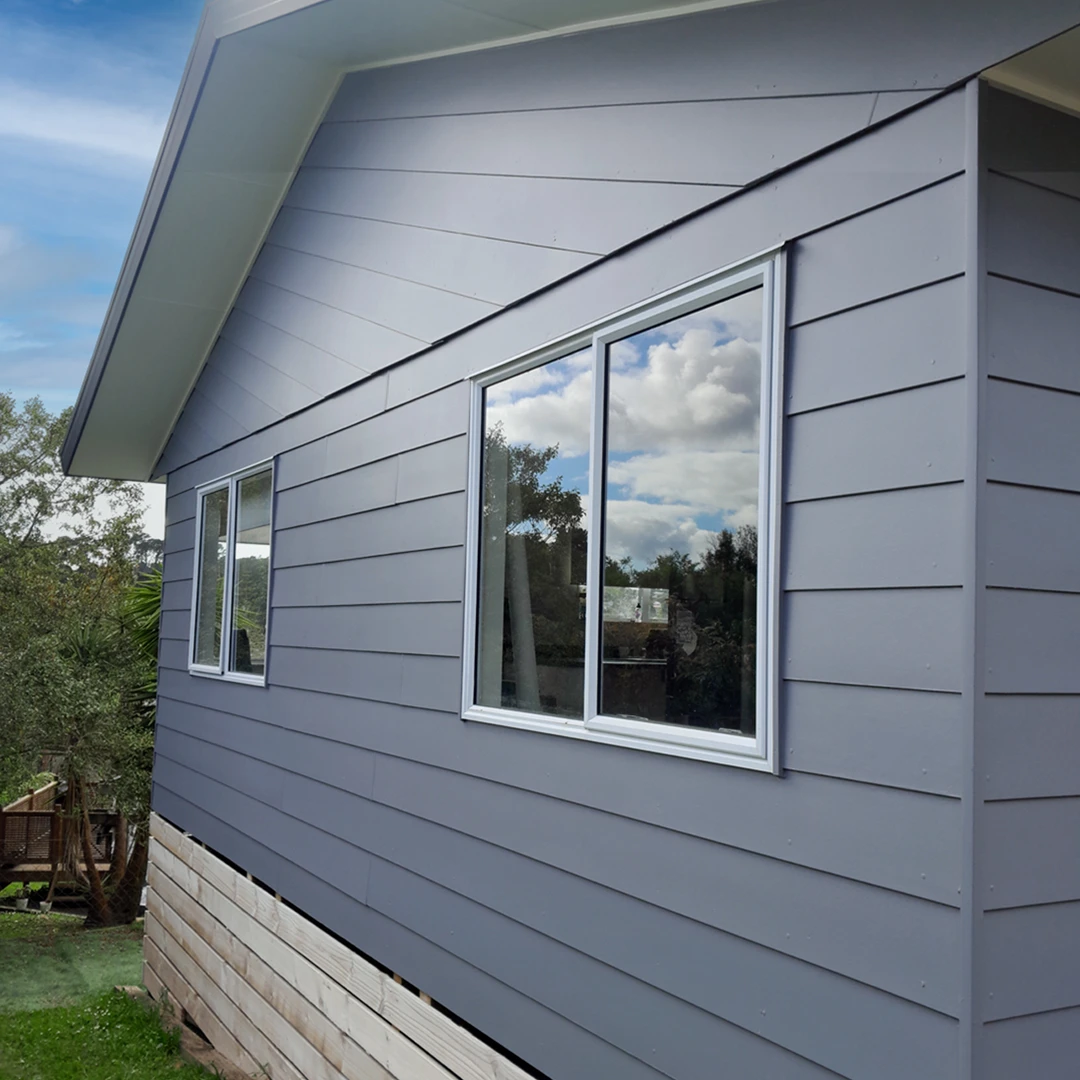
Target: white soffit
{"x":1049,"y":72}
{"x":257,"y":83}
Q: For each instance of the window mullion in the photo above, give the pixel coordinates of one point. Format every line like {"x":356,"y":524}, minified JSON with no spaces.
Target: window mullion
{"x":594,"y":575}
{"x":225,"y":661}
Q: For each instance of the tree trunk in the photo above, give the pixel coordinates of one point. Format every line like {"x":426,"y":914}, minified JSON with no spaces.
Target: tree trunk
{"x":70,"y":830}
{"x":98,"y":903}
{"x":120,"y":849}
{"x":124,"y":902}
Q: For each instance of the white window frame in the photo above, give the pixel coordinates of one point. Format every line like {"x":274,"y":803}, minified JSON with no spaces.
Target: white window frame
{"x":230,"y":483}
{"x":760,"y":752}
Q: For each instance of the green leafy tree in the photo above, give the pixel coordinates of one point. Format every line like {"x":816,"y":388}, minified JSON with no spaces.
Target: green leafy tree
{"x":73,"y":679}
{"x":533,"y":527}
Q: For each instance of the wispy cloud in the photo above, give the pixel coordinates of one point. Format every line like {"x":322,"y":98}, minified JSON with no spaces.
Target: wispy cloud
{"x":85,"y":92}
{"x":67,"y":121}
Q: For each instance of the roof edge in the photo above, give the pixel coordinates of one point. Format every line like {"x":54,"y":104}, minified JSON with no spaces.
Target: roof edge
{"x":191,"y":83}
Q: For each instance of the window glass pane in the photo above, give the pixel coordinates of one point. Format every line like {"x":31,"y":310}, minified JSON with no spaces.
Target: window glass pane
{"x":680,"y":520}
{"x":212,"y":551}
{"x":251,"y":574}
{"x":531,"y":628}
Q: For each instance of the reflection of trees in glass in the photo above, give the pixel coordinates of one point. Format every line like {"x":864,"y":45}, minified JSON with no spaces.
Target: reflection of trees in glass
{"x":533,"y":563}
{"x":249,"y":612}
{"x":708,"y":644}
{"x":211,"y":571}
{"x":532,"y":605}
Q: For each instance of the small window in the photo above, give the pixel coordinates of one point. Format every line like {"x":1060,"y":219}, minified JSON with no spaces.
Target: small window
{"x":624,"y":529}
{"x":232,"y":580}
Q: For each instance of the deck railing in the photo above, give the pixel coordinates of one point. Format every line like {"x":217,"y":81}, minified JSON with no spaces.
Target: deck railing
{"x":42,"y":799}
{"x":36,"y":839}
{"x":28,"y":837}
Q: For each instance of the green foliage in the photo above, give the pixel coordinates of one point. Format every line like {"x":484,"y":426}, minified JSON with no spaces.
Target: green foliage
{"x":76,"y":663}
{"x":546,"y":519}
{"x":66,"y":554}
{"x":141,"y":615}
{"x":513,"y":489}
{"x":9,"y":892}
{"x":19,"y":784}
{"x":249,"y":609}
{"x":715,"y":598}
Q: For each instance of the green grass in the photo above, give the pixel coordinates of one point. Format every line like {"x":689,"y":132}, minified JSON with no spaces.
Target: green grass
{"x":38,"y":889}
{"x":60,"y":1019}
{"x":50,"y":960}
{"x":107,"y":1037}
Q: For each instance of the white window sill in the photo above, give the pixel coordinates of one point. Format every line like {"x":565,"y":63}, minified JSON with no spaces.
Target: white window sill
{"x":718,"y":748}
{"x":228,"y":676}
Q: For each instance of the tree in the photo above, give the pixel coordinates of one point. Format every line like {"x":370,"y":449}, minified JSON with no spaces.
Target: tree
{"x":70,"y":670}
{"x":533,"y":553}
{"x":709,"y":641}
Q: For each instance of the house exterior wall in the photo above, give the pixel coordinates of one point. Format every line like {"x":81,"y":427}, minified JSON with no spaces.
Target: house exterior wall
{"x":1028,"y":729}
{"x":436,"y":193}
{"x":602,"y":911}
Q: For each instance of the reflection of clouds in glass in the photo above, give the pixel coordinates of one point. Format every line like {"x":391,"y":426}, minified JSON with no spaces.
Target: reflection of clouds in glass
{"x":707,"y":480}
{"x":687,"y":391}
{"x":642,"y":530}
{"x":684,"y":409}
{"x":741,"y":318}
{"x":546,"y":406}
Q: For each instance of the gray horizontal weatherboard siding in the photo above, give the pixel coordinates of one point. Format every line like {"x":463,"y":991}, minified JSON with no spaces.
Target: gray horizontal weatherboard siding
{"x":454,"y":852}
{"x":1028,"y":730}
{"x":412,"y":217}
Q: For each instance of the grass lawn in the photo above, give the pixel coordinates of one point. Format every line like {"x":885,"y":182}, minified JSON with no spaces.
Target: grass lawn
{"x":50,"y":960}
{"x":107,"y":1037}
{"x":59,"y":1017}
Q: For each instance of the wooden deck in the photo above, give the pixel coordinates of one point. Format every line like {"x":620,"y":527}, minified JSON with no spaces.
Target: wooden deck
{"x":32,"y":841}
{"x":24,"y":873}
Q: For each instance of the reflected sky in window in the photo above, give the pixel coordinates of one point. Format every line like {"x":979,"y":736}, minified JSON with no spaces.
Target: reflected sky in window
{"x":549,"y":406}
{"x":684,"y":404}
{"x":687,"y":396}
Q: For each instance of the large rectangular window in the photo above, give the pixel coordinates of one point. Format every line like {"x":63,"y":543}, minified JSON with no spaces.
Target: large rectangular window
{"x":232,"y":579}
{"x":624,"y":528}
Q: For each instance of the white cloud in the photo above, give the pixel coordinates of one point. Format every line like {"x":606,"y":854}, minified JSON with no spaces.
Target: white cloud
{"x":706,"y":480}
{"x":154,"y":510}
{"x":687,"y":392}
{"x":78,"y":123}
{"x":684,"y":407}
{"x":556,"y":416}
{"x":643,"y":530}
{"x":27,"y":264}
{"x":689,"y":385}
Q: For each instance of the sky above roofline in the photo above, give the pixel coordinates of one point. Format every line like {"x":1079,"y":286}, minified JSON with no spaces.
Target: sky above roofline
{"x":85,"y":92}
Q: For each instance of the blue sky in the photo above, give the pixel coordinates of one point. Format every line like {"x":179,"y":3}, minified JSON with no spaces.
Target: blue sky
{"x":85,"y":90}
{"x":86,"y":87}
